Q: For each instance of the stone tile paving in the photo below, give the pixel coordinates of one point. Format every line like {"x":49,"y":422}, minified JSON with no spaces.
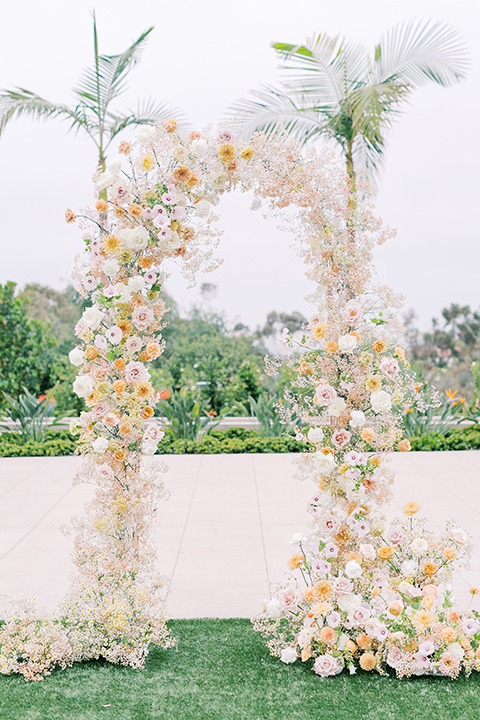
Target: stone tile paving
{"x":223,"y":535}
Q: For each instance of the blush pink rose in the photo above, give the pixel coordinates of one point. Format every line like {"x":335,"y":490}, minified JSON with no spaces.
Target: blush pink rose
{"x":142,"y":317}
{"x":340,"y":438}
{"x":136,"y":372}
{"x":325,"y":394}
{"x":326,"y":665}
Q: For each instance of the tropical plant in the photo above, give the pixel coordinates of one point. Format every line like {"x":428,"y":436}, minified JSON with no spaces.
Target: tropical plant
{"x":266,"y":410}
{"x":337,"y":91}
{"x":29,"y":417}
{"x":99,"y":86}
{"x":187,"y":420}
{"x":439,"y":417}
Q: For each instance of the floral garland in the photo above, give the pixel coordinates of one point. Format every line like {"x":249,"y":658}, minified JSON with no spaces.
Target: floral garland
{"x":371,"y":596}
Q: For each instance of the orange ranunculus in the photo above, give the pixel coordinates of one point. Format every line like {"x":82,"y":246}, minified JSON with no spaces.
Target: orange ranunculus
{"x":91,"y":352}
{"x":368,"y":435}
{"x":119,"y":363}
{"x":379,"y":346}
{"x":305,"y":368}
{"x":430,"y":569}
{"x":119,"y":386}
{"x":147,"y":412}
{"x":449,"y":553}
{"x":411,"y":508}
{"x":363,"y":641}
{"x":385,"y":553}
{"x":296,"y":561}
{"x":170,"y":125}
{"x":331,"y":346}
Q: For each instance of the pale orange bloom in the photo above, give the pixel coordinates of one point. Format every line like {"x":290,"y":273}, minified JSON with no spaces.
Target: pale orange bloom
{"x":119,"y":386}
{"x":385,"y":552}
{"x":90,"y":352}
{"x":331,"y":346}
{"x":147,"y":412}
{"x":101,"y":206}
{"x":368,"y":435}
{"x":404,"y":445}
{"x":367,"y":661}
{"x":430,"y":569}
{"x":379,"y":346}
{"x":449,"y":553}
{"x":328,"y":635}
{"x":350,"y":646}
{"x":411,"y":508}
{"x":170,"y":126}
{"x":364,"y":642}
{"x":119,"y":362}
{"x":296,"y":561}
{"x":448,"y":634}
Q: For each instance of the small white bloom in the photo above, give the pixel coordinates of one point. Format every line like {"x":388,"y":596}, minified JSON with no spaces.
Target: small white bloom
{"x":111,"y":267}
{"x":83,"y":385}
{"x":274,"y":607}
{"x":297,"y":538}
{"x":381,"y":402}
{"x":315,"y":435}
{"x":289,"y":655}
{"x":105,"y":179}
{"x":456,"y":649}
{"x":202,"y":208}
{"x":419,"y":546}
{"x":149,"y":447}
{"x":347,"y":343}
{"x":76,"y":356}
{"x":146,"y":133}
{"x":336,"y":408}
{"x":324,"y":464}
{"x":136,"y":238}
{"x":136,"y":284}
{"x":353,"y":569}
{"x":357,"y":419}
{"x":100,"y":445}
{"x":199,"y":147}
{"x":92,"y":317}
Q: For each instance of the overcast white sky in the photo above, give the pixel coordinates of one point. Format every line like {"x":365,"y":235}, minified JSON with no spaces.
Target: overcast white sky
{"x":201,"y":57}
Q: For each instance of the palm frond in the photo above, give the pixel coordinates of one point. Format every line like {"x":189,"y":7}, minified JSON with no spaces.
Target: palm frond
{"x":21,"y":102}
{"x":106,"y":79}
{"x":275,"y":111}
{"x":369,"y":163}
{"x":375,"y":106}
{"x":148,"y":112}
{"x":417,"y":52}
{"x":325,"y":68}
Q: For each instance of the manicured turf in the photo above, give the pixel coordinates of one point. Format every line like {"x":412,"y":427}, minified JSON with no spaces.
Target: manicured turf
{"x":222,"y":671}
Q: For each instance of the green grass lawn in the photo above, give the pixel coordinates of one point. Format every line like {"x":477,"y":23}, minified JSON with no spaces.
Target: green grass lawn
{"x":222,"y":671}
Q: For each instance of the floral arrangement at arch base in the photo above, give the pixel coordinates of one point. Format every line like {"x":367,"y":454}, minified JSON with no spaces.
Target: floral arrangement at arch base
{"x":366,"y":595}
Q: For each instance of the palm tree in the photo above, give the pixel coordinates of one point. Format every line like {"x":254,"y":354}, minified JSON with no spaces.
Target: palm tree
{"x":341,"y":93}
{"x":98,"y":87}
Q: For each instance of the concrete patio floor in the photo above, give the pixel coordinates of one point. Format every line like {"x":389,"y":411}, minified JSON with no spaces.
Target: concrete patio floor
{"x":223,"y":535}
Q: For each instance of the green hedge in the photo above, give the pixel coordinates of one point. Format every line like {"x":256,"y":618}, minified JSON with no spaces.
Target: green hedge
{"x":233,"y":440}
{"x":457,"y":439}
{"x":57,"y":442}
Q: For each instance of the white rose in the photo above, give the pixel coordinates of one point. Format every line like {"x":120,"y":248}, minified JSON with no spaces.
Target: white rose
{"x":297,"y":538}
{"x":146,"y":133}
{"x":100,"y":445}
{"x":123,"y":293}
{"x":458,"y":535}
{"x":274,"y":607}
{"x":199,"y":147}
{"x":111,"y":267}
{"x":149,"y":447}
{"x":105,"y":179}
{"x":324,"y":464}
{"x":408,"y":567}
{"x":219,"y":181}
{"x":136,"y":284}
{"x":315,"y":435}
{"x":381,"y":401}
{"x":368,"y":551}
{"x":83,"y":385}
{"x":92,"y":317}
{"x":419,"y":546}
{"x":76,"y":356}
{"x":456,"y":649}
{"x":135,"y":238}
{"x":347,"y":343}
{"x":337,"y":407}
{"x":357,"y":418}
{"x":170,"y":242}
{"x":202,"y":208}
{"x":348,"y":602}
{"x":353,"y":569}
{"x":289,"y":655}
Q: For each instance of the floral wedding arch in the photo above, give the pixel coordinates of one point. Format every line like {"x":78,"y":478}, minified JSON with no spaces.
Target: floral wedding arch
{"x":371,"y":596}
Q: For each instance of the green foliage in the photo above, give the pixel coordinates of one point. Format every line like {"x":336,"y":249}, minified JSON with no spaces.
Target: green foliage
{"x":55,"y":443}
{"x":233,"y":678}
{"x":29,"y":416}
{"x":226,"y":366}
{"x":457,"y":439}
{"x":233,"y":440}
{"x":436,"y":418}
{"x":26,"y":347}
{"x":188,"y":419}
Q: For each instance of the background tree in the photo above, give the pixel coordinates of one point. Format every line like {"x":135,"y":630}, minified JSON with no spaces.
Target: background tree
{"x":26,"y":347}
{"x":99,"y":87}
{"x":337,"y":91}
